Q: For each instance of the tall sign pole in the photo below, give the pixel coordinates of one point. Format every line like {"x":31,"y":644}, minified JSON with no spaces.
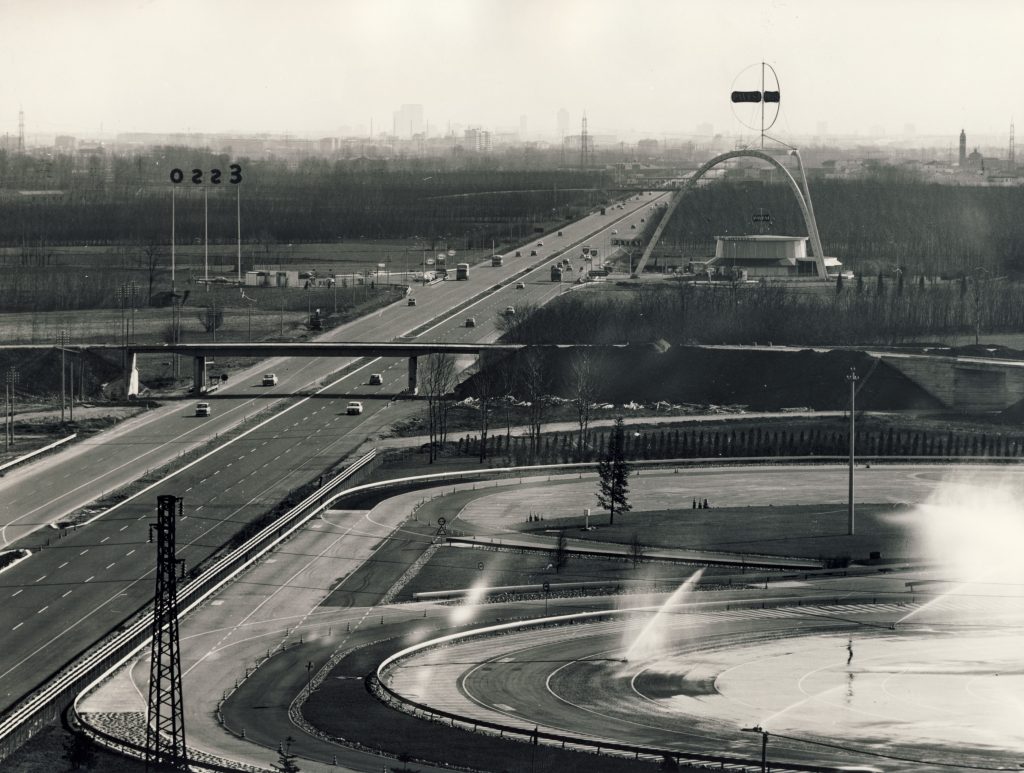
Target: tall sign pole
{"x":853,"y":379}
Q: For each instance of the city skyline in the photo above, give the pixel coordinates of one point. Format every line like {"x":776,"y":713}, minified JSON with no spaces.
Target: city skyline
{"x":320,"y":67}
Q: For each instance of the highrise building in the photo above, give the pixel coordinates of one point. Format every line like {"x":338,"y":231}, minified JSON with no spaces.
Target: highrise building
{"x":408,"y":121}
{"x":963,"y":148}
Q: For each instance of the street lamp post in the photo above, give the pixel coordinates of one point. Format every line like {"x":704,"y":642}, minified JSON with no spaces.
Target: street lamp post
{"x":62,"y":342}
{"x":853,"y":378}
{"x":309,"y":676}
{"x":10,"y":379}
{"x":764,"y":744}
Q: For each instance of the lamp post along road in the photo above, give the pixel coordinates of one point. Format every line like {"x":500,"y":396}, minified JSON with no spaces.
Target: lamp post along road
{"x":62,"y":342}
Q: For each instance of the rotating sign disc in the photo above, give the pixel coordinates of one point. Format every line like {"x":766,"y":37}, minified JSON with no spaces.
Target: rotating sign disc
{"x":756,"y":97}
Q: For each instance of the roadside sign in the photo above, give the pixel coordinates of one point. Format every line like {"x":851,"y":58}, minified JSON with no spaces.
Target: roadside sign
{"x":451,"y":253}
{"x":547,"y":586}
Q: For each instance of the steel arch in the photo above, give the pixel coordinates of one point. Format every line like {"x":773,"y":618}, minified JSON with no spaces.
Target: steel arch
{"x":803,"y":198}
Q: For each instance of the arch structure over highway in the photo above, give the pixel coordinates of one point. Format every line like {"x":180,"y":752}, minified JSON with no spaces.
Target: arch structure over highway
{"x":801,"y":191}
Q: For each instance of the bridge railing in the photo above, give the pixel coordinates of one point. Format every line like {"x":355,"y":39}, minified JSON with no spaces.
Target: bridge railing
{"x":46,"y":704}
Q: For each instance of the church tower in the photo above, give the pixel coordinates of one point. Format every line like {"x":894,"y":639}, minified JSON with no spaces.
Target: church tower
{"x":963,"y":148}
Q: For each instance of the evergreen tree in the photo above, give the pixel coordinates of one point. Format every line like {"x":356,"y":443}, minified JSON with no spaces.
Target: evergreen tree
{"x":285,"y":759}
{"x":613,"y":475}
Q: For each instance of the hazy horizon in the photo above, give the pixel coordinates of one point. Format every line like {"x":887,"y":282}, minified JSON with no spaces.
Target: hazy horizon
{"x":329,"y":68}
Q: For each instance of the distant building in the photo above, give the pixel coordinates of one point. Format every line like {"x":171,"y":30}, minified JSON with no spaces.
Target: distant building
{"x":408,"y":121}
{"x":963,"y":148}
{"x":647,"y":147}
{"x":976,"y":161}
{"x":477,"y":140}
{"x":766,"y":255}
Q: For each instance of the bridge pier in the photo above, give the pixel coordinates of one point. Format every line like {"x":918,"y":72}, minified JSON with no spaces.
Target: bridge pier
{"x":198,"y":374}
{"x":131,"y":375}
{"x":412,"y":376}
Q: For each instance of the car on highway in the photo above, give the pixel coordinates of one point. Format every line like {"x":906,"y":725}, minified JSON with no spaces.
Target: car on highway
{"x":470,"y":322}
{"x":520,"y":285}
{"x":540,"y":244}
{"x":354,"y":408}
{"x":519,"y":253}
{"x":510,"y":310}
{"x":376,"y":378}
{"x":633,"y":226}
{"x":411,"y":302}
{"x":269,"y":379}
{"x":559,"y":233}
{"x":615,"y":230}
{"x":643,"y":220}
{"x":202,"y":409}
{"x":533,"y":253}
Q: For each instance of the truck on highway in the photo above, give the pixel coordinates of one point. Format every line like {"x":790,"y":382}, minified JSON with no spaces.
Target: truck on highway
{"x":496,"y":260}
{"x":462,"y":271}
{"x":556,"y":272}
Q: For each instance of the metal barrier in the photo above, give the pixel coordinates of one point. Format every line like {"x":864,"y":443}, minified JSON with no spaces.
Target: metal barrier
{"x":375,"y":684}
{"x":47,"y":703}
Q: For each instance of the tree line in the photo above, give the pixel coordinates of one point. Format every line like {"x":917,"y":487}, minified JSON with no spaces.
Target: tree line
{"x":126,"y":200}
{"x":878,"y":310}
{"x":876,"y":222}
{"x":565,"y":448}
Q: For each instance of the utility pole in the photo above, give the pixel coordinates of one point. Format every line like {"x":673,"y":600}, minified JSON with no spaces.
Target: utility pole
{"x":853,"y":378}
{"x":62,"y":342}
{"x":309,"y":676}
{"x":165,"y":728}
{"x":11,"y":379}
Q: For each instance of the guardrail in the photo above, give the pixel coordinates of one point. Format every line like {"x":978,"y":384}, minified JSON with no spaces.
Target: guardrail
{"x":376,"y":686}
{"x":47,"y":703}
{"x":31,"y":454}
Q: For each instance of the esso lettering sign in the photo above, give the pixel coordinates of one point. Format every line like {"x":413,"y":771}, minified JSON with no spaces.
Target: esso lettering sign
{"x":234,"y":175}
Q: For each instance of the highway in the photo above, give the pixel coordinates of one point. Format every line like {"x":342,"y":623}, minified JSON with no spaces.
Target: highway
{"x":86,"y":582}
{"x":223,"y":639}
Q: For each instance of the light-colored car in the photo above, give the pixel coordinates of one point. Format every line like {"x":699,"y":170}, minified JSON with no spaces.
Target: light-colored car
{"x":540,"y":244}
{"x":510,"y":309}
{"x":520,"y":285}
{"x":615,"y":230}
{"x":376,"y":378}
{"x":470,"y":322}
{"x":410,"y":302}
{"x":269,"y":379}
{"x":354,"y":408}
{"x":202,"y":409}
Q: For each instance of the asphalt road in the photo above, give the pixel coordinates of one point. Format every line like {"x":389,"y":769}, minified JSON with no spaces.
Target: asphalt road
{"x":84,"y":583}
{"x":259,"y":705}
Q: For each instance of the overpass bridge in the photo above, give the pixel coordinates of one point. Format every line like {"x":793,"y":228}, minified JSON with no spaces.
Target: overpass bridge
{"x":200,"y":353}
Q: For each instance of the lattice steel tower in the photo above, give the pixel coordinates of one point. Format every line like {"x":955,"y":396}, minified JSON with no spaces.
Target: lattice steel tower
{"x":584,"y":144}
{"x":165,"y":725}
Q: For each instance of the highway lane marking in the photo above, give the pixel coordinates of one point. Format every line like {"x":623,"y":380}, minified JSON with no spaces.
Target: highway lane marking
{"x":188,"y":489}
{"x":63,"y":565}
{"x":104,"y":540}
{"x":16,"y":592}
{"x":90,"y":578}
{"x":229,"y":464}
{"x":111,"y":564}
{"x":66,"y":594}
{"x":130,"y":552}
{"x":123,"y":527}
{"x":41,"y":578}
{"x":84,"y":552}
{"x":15,"y":628}
{"x":43,"y":609}
{"x":200,"y":508}
{"x":216,"y":472}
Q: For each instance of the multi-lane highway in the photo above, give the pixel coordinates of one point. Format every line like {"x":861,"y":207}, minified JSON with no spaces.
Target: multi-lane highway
{"x":84,"y":583}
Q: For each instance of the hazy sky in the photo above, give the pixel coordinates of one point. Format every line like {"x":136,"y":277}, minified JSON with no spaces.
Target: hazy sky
{"x":656,"y":67}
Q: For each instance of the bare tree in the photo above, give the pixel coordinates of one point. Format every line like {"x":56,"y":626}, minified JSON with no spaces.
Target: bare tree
{"x":438,"y":381}
{"x":533,"y":378}
{"x":584,"y":390}
{"x":636,"y":550}
{"x":486,"y":386}
{"x":151,"y":254}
